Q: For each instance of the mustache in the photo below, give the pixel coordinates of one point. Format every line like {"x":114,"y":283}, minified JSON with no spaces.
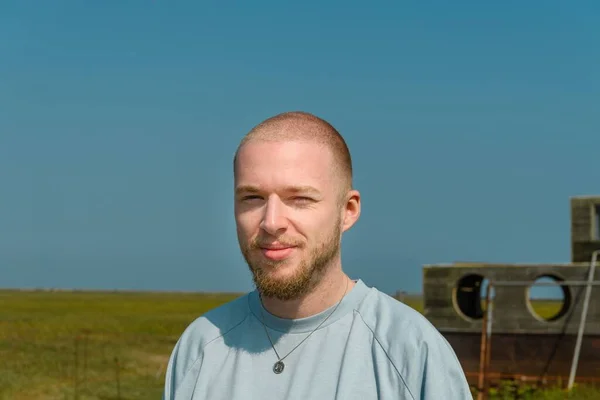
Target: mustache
{"x":284,"y":241}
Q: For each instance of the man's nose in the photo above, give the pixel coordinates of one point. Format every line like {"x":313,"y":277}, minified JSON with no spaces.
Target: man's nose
{"x":274,"y":221}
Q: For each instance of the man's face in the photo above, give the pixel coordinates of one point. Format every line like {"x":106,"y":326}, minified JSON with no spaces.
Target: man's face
{"x":288,"y":214}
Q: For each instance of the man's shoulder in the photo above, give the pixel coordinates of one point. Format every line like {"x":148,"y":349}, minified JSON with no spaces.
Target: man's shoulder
{"x":387,"y":316}
{"x":208,"y":328}
{"x":415,"y":348}
{"x":216,"y":322}
{"x":400,"y":330}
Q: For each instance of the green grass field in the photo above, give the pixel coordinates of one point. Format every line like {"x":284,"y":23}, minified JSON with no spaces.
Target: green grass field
{"x":92,"y":345}
{"x":42,"y":357}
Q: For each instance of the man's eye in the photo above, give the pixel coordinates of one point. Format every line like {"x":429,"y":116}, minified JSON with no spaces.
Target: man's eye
{"x":302,"y":200}
{"x":250,"y":197}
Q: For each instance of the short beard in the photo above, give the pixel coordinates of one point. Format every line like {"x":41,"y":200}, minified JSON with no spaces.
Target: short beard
{"x":309,"y":272}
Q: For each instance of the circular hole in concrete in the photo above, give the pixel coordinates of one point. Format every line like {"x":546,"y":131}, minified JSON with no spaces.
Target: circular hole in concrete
{"x":546,"y":299}
{"x":469,"y":295}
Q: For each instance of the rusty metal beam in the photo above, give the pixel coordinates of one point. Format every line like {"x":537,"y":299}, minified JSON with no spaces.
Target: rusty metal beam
{"x":481,"y":390}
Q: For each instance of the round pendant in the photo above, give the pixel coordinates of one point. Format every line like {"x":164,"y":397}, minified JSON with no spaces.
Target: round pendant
{"x":278,"y":367}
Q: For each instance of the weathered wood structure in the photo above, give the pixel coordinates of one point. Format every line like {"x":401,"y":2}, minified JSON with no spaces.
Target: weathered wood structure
{"x":523,"y":344}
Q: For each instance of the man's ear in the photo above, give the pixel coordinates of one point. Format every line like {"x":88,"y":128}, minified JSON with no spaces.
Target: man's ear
{"x":351,"y":210}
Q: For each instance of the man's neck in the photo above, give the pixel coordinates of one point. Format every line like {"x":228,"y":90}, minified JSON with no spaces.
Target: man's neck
{"x":326,"y":294}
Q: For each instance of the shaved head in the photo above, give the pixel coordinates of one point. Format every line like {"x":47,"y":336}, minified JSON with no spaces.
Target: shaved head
{"x":302,"y":126}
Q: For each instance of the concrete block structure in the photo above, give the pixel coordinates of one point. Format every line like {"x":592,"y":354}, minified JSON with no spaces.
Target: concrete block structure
{"x":523,"y":342}
{"x":585,"y":228}
{"x":453,"y":298}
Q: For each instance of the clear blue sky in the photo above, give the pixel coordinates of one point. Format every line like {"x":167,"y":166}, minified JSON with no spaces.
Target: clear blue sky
{"x":470,"y":125}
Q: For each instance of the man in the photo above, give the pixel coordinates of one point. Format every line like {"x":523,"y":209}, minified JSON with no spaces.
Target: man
{"x":308,"y":331}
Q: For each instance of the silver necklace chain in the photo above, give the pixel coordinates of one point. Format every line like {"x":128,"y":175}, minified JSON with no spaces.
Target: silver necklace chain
{"x":279,"y":365}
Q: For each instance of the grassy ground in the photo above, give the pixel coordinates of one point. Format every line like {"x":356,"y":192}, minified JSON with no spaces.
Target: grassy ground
{"x":101,"y":346}
{"x":46,"y":354}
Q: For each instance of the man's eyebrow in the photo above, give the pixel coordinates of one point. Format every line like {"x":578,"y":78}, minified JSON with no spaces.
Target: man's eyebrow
{"x":290,"y":189}
{"x":302,"y":189}
{"x":246,"y":189}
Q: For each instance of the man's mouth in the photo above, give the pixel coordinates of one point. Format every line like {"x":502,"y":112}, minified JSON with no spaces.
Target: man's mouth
{"x":277,"y":252}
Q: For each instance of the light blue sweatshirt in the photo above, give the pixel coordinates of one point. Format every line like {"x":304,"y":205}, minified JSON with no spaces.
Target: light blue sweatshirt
{"x":372,"y":347}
